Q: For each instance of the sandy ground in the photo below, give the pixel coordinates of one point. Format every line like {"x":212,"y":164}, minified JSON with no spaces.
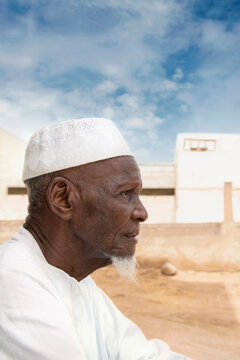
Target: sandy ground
{"x":196,"y":313}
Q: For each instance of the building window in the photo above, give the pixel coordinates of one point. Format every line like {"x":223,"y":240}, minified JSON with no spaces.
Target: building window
{"x":17,"y":191}
{"x":199,"y":145}
{"x":157,"y":192}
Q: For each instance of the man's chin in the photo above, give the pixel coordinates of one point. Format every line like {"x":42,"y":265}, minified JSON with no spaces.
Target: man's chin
{"x":126,"y":266}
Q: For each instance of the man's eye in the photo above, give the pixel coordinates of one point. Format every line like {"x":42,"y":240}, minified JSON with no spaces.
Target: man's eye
{"x":125,"y":193}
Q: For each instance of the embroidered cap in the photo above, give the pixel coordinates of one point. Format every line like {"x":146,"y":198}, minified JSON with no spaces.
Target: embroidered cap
{"x":72,"y":143}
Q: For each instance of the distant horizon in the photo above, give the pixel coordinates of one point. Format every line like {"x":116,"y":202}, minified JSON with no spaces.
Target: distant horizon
{"x":156,"y":68}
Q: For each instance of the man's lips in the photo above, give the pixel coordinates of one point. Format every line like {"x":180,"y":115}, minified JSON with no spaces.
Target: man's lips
{"x":132,"y":236}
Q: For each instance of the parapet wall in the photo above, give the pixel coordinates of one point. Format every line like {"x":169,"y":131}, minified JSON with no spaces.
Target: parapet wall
{"x":8,"y":228}
{"x":200,"y":247}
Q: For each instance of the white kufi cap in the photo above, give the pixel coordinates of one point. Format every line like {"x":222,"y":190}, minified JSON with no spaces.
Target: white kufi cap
{"x":72,"y":143}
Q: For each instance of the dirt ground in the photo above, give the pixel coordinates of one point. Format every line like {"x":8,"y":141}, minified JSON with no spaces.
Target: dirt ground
{"x":196,"y":313}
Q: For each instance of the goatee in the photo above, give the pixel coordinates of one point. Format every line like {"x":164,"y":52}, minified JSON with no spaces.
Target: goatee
{"x":126,"y":266}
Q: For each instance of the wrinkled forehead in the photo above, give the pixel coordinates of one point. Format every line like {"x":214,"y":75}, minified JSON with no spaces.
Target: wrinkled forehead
{"x":115,"y":170}
{"x":120,"y":165}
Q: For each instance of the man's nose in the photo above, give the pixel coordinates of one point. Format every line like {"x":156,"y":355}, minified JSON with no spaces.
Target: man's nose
{"x":139,"y":212}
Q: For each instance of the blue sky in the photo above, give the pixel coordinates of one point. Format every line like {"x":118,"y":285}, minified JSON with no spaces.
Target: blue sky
{"x":155,"y":67}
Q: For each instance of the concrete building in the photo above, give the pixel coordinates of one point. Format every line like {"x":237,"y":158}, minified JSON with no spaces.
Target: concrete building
{"x":13,"y":198}
{"x":193,"y":188}
{"x":190,"y":190}
{"x":203,"y":164}
{"x":158,"y":193}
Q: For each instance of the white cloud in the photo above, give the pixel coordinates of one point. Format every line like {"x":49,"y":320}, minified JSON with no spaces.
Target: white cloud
{"x":106,"y":87}
{"x":183,"y":108}
{"x":168,"y":85}
{"x":143,"y":154}
{"x":178,"y":75}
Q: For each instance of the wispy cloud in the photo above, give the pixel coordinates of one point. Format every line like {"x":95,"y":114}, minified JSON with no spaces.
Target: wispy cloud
{"x":154,"y":67}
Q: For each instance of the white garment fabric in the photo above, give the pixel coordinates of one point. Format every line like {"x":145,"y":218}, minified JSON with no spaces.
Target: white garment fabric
{"x":72,"y":143}
{"x":47,"y":315}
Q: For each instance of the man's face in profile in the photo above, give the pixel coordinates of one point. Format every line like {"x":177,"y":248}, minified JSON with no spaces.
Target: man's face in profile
{"x":108,"y":214}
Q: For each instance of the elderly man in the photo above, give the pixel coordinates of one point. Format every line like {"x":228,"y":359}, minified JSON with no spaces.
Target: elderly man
{"x":84,"y":213}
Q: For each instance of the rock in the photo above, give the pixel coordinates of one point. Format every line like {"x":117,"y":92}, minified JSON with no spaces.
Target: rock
{"x":169,"y":269}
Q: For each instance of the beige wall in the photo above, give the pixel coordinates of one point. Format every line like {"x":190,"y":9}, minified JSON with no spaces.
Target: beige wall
{"x":11,"y":160}
{"x":202,"y":247}
{"x":13,"y":207}
{"x":161,"y":209}
{"x":158,"y":175}
{"x":236,"y":204}
{"x":200,"y":205}
{"x":11,"y":163}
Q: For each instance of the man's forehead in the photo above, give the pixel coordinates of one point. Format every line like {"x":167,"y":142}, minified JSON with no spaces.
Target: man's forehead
{"x":118,"y":165}
{"x":122,"y":167}
{"x":120,"y":171}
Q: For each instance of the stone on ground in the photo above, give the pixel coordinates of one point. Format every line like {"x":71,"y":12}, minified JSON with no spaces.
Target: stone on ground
{"x":168,"y":269}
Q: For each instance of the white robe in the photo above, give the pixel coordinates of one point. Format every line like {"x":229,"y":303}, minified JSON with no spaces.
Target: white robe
{"x":47,"y":315}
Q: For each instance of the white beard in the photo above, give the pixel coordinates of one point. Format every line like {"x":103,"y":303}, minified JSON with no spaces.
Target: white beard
{"x":126,"y":266}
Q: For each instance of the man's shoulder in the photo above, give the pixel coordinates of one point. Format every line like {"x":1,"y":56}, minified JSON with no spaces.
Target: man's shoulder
{"x":14,"y":253}
{"x":20,"y":264}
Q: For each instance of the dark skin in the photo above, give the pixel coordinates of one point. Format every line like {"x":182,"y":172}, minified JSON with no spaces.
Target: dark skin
{"x":90,"y":213}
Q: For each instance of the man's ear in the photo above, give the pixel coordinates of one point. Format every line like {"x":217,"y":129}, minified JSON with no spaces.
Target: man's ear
{"x":60,"y":196}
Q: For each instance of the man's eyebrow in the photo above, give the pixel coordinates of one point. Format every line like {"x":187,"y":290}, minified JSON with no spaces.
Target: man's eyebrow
{"x":130,"y":184}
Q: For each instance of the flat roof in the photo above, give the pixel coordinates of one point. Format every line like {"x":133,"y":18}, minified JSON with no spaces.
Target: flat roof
{"x":158,"y":175}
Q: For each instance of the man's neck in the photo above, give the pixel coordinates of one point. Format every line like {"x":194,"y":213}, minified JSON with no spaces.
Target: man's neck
{"x":61,"y":250}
